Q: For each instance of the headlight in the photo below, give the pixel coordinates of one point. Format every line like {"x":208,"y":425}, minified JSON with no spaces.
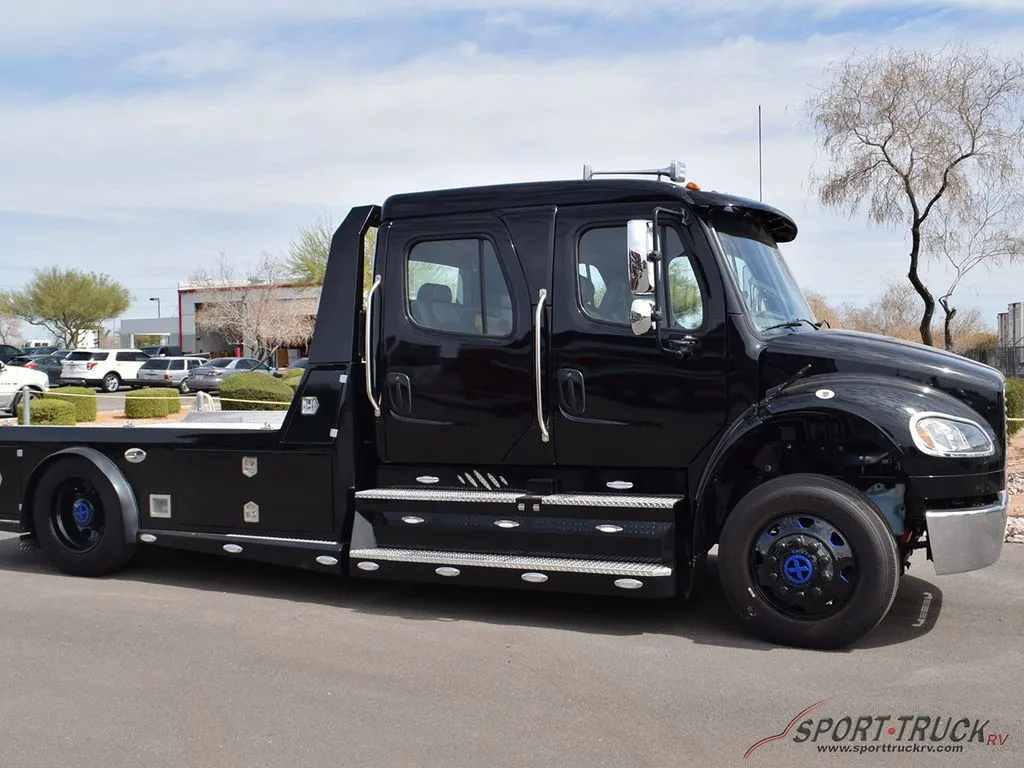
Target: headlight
{"x":939,"y":434}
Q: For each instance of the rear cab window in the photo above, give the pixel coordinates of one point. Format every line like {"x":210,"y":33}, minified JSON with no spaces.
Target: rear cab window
{"x":458,"y":286}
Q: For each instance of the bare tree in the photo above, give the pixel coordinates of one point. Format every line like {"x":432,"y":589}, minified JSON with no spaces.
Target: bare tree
{"x":10,"y":328}
{"x":893,"y":313}
{"x":250,"y":310}
{"x":906,"y":129}
{"x":985,"y":231}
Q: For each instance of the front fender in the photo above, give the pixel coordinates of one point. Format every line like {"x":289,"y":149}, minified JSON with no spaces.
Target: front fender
{"x":884,"y":405}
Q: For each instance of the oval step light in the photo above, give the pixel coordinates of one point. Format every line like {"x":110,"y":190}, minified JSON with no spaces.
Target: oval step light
{"x":366,"y":565}
{"x":327,"y":560}
{"x":609,"y":528}
{"x":135,"y":455}
{"x":506,"y":523}
{"x":232,"y":548}
{"x":444,"y":570}
{"x":619,"y":485}
{"x":412,"y":520}
{"x":427,"y":479}
{"x":628,"y":583}
{"x":534,"y":578}
{"x":149,"y":538}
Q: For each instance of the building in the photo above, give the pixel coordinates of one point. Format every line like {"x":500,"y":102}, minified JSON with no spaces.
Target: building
{"x":150,"y":330}
{"x":1009,"y":352}
{"x":283,"y":308}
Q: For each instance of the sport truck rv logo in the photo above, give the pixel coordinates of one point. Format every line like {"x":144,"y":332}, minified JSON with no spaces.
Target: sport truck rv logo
{"x":864,"y":734}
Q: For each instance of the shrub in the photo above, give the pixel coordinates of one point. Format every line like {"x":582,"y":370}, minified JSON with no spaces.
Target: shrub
{"x":293,"y":378}
{"x":84,"y":400}
{"x":173,"y":399}
{"x":1014,"y":404}
{"x":271,"y":394}
{"x":148,"y":403}
{"x":54,"y":413}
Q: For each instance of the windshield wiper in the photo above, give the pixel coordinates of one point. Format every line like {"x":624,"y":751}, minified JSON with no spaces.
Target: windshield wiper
{"x":795,"y":324}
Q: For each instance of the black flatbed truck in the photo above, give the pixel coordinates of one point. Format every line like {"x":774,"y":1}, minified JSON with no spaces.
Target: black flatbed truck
{"x":579,"y":386}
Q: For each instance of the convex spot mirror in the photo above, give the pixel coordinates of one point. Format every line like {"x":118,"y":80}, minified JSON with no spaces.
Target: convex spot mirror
{"x":639,"y":244}
{"x":641,"y":316}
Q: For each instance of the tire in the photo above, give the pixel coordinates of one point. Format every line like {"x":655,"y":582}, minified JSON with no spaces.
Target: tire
{"x":183,"y":387}
{"x":65,"y":528}
{"x":16,"y":400}
{"x":111,"y":382}
{"x":798,"y":534}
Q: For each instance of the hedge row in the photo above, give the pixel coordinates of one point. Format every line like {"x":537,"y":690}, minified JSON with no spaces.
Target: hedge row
{"x":1014,"y":404}
{"x":264,"y":393}
{"x":54,"y":413}
{"x":83,"y":399}
{"x":292,"y":378}
{"x":151,"y":403}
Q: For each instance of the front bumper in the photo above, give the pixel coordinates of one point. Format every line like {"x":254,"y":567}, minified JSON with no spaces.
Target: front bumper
{"x":966,"y":539}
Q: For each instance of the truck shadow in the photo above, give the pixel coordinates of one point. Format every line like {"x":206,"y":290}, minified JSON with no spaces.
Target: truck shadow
{"x":706,"y":619}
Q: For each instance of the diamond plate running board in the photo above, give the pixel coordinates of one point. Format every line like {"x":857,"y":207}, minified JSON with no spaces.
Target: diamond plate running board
{"x":513,"y":562}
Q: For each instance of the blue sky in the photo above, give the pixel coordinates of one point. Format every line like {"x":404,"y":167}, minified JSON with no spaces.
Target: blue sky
{"x":143,"y":142}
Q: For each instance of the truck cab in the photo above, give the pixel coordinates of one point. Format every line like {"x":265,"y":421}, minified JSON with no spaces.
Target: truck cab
{"x":579,"y":386}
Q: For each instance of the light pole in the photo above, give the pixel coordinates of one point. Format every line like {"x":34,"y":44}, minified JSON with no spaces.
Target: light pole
{"x":157,"y":306}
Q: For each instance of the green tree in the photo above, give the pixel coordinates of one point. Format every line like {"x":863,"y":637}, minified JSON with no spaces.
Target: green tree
{"x":67,"y":303}
{"x":308,"y":253}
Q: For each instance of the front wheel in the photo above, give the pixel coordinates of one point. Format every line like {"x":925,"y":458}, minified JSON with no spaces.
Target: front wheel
{"x":807,"y":560}
{"x":111,"y":382}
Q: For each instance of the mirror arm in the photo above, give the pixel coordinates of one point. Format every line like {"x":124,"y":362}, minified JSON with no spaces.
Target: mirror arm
{"x":660,"y":292}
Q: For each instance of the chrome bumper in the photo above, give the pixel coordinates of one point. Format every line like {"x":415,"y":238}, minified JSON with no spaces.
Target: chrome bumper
{"x":967,"y":539}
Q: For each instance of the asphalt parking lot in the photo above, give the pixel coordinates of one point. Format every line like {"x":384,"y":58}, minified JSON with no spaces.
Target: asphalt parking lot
{"x":187,"y":660}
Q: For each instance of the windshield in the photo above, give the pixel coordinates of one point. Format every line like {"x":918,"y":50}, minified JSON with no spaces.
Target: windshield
{"x":769,"y":291}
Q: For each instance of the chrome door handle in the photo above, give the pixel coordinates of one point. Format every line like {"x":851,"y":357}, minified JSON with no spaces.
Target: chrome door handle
{"x":367,"y":360}
{"x":544,"y":436}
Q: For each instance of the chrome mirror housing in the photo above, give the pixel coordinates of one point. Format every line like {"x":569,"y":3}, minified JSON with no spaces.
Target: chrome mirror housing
{"x":639,"y":244}
{"x":641,"y":316}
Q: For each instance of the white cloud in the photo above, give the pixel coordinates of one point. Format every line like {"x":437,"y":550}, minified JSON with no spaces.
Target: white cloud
{"x":71,"y":24}
{"x":286,"y":135}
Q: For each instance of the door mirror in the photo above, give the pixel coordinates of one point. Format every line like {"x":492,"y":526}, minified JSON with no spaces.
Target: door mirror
{"x":640,"y":243}
{"x":641,"y":314}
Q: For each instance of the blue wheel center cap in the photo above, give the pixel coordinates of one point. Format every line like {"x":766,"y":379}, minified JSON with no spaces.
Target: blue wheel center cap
{"x":82,"y":512}
{"x":798,"y":569}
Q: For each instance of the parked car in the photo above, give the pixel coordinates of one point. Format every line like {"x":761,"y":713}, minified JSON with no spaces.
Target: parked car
{"x":298,"y":364}
{"x":162,"y":350}
{"x":168,"y":372}
{"x":48,"y":349}
{"x":13,"y":379}
{"x":211,"y":373}
{"x":107,"y":369}
{"x":51,"y":365}
{"x":8,"y":353}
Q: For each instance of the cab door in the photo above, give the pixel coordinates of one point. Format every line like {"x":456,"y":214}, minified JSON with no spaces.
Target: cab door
{"x":622,"y":400}
{"x":457,"y":380}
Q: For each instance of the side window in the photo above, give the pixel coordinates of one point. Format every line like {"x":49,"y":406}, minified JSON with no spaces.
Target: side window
{"x":602,"y":275}
{"x":687,"y":306}
{"x":458,"y":286}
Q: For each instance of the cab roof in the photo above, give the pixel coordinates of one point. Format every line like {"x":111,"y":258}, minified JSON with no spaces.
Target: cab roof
{"x":536,"y":194}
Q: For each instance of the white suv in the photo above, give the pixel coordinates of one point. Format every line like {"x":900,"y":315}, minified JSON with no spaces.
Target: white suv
{"x":13,"y":379}
{"x":104,"y":368}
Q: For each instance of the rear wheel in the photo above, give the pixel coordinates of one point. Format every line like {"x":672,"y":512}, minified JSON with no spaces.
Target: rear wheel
{"x":807,"y":560}
{"x":77,"y":519}
{"x":111,"y":382}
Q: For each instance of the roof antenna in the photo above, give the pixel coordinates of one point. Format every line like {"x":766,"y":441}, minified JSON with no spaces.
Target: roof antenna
{"x":676,"y":171}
